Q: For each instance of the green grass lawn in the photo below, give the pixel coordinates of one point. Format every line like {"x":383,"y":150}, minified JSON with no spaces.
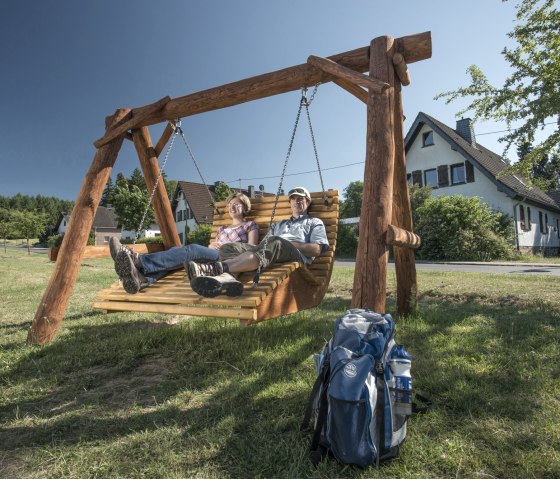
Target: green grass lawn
{"x":158,"y":396}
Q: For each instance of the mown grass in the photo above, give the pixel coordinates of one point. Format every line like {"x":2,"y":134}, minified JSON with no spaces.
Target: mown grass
{"x":154,"y":396}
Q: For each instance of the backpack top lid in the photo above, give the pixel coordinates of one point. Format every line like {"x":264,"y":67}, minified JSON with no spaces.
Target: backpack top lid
{"x":363,"y":331}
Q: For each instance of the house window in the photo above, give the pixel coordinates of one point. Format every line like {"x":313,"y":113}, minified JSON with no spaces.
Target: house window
{"x":106,"y":239}
{"x":458,"y":174}
{"x":443,"y":176}
{"x":409,"y":178}
{"x":522,"y":218}
{"x":417,"y":177}
{"x":431,"y":178}
{"x":543,"y":223}
{"x":428,"y":138}
{"x":469,"y":171}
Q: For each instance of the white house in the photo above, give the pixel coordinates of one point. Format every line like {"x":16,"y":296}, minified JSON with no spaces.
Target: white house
{"x":452,"y":162}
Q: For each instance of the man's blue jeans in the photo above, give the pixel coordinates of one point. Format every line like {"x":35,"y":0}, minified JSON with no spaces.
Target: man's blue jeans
{"x":157,"y":265}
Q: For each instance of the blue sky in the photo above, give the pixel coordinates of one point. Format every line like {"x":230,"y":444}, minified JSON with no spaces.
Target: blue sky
{"x":67,"y":65}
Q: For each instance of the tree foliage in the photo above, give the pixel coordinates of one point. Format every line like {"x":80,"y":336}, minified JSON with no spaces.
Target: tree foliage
{"x":201,"y":235}
{"x":222,"y":191}
{"x":460,"y":228}
{"x":531,"y":94}
{"x":352,"y":204}
{"x":129,"y":205}
{"x":28,"y":225}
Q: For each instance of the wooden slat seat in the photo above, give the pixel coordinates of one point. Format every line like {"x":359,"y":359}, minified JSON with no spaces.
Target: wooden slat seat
{"x":284,"y":288}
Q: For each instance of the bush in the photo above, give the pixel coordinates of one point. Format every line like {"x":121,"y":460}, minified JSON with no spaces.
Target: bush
{"x":346,"y":241}
{"x":200,"y":235}
{"x":55,"y":241}
{"x":459,"y":228}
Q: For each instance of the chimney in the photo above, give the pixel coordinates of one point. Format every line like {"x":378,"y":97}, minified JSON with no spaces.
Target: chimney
{"x":466,"y":131}
{"x":251,"y":191}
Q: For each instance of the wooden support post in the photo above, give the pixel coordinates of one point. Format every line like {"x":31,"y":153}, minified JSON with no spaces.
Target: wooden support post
{"x":55,"y":299}
{"x":370,"y":277}
{"x":160,"y":202}
{"x":346,"y":74}
{"x":398,"y":237}
{"x":405,"y":263}
{"x":401,"y":69}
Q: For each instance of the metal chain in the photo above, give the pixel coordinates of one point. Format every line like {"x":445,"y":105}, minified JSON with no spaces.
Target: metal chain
{"x":195,"y":163}
{"x":306,"y":102}
{"x":176,"y":128}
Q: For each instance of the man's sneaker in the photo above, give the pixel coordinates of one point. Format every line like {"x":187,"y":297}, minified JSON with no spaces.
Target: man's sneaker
{"x":193,"y":269}
{"x":211,"y":286}
{"x":132,"y":279}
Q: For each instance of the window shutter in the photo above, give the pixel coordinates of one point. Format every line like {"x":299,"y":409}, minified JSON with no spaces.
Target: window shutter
{"x":528,"y":218}
{"x":417,"y":177}
{"x":443,"y":175}
{"x":469,"y":170}
{"x":522,"y":217}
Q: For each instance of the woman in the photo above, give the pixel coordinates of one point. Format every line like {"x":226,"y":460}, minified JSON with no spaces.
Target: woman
{"x":138,"y":271}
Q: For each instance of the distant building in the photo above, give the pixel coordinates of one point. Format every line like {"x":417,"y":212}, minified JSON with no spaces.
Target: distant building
{"x":451,"y":161}
{"x":105,"y":225}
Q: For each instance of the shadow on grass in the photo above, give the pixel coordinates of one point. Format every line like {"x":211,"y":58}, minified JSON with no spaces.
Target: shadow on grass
{"x":106,"y":381}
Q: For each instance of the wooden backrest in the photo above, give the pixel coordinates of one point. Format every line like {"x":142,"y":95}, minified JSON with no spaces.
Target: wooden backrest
{"x":261,"y":209}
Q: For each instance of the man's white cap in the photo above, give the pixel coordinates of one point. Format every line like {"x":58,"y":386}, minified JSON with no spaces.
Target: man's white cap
{"x":299,"y":191}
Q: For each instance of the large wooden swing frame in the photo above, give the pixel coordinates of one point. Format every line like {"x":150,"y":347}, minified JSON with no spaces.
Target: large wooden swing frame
{"x":386,"y":215}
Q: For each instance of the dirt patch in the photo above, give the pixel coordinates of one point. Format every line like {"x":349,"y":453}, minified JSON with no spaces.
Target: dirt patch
{"x":136,"y":386}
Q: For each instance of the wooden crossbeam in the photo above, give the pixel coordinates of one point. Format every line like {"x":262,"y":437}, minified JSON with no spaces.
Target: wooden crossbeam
{"x":414,"y":48}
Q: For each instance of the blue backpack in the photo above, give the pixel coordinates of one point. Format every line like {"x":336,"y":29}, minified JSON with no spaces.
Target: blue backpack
{"x":362,"y":397}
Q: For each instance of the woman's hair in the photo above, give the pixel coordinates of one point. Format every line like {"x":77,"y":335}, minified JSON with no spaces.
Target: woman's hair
{"x":244,"y":200}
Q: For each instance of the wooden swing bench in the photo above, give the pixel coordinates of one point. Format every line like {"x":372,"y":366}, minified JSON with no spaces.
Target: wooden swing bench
{"x":284,"y":288}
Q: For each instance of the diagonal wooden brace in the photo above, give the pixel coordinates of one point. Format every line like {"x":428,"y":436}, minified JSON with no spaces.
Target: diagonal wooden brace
{"x":352,"y":76}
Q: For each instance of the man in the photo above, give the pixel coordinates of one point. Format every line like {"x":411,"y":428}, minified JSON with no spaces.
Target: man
{"x":299,"y":238}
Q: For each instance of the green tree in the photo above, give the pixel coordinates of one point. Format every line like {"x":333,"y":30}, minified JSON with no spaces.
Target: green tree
{"x":418,"y":196}
{"x":352,"y":204}
{"x":460,"y":228}
{"x":6,"y":226}
{"x":531,"y":94}
{"x":108,"y":193}
{"x":121,"y":181}
{"x":222,"y":191}
{"x":29,"y":225}
{"x":130,"y":206}
{"x":137,"y":179}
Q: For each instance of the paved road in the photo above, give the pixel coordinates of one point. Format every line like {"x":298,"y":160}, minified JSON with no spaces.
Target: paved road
{"x":504,"y":268}
{"x":464,"y":267}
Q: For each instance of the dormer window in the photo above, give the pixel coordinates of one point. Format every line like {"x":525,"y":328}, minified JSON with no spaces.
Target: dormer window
{"x":428,"y":138}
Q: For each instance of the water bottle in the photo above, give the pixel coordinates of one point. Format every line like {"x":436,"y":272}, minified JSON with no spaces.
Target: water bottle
{"x":400,"y":362}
